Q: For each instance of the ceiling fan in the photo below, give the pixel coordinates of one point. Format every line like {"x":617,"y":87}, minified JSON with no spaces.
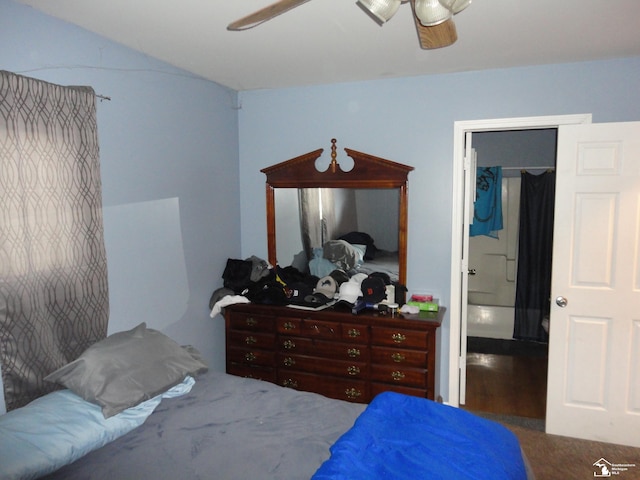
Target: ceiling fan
{"x":433,"y":18}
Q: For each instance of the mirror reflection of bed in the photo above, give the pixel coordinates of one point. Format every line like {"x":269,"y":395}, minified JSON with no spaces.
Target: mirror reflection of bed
{"x":313,"y":223}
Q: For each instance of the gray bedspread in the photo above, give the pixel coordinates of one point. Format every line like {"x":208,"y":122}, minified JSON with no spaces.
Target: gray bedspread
{"x":384,"y":262}
{"x":226,"y":428}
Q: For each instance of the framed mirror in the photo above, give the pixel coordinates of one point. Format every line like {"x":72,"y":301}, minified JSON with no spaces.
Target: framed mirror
{"x":368,"y":205}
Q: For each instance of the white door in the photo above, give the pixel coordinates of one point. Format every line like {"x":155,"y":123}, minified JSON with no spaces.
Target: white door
{"x":470,"y":162}
{"x":459,"y":264}
{"x":593,"y":387}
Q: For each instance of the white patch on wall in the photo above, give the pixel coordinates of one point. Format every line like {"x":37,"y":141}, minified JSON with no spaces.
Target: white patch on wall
{"x":147,"y":270}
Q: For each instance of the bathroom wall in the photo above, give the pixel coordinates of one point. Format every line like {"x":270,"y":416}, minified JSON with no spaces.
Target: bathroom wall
{"x":494,"y":260}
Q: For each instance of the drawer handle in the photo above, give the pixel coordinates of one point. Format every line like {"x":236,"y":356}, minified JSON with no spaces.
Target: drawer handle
{"x":251,"y":340}
{"x":397,"y":375}
{"x":251,"y":322}
{"x":353,"y":352}
{"x":289,"y":344}
{"x":352,"y":393}
{"x":353,"y":370}
{"x":289,"y":326}
{"x":398,"y":337}
{"x":289,"y":382}
{"x":250,"y":357}
{"x":398,"y":357}
{"x":353,"y":332}
{"x":289,"y":362}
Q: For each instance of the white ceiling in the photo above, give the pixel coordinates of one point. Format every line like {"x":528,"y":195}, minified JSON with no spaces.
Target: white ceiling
{"x":329,"y":41}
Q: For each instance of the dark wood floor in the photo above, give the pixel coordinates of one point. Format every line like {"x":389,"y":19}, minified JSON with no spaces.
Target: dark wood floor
{"x":506,"y":384}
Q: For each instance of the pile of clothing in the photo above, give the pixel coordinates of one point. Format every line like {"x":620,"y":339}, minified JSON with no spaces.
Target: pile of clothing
{"x":254,"y":280}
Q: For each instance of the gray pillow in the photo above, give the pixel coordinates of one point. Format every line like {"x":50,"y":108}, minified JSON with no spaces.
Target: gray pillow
{"x":127,"y":368}
{"x":342,"y":254}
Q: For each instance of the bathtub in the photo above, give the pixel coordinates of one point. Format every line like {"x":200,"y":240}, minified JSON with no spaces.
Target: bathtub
{"x":490,"y":321}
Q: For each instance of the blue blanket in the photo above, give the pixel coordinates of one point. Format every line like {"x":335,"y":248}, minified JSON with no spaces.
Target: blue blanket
{"x":403,"y":437}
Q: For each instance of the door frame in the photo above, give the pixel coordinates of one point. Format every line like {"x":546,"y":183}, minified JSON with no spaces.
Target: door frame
{"x":458,"y":297}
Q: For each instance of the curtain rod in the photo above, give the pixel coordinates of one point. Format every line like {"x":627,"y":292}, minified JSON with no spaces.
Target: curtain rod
{"x":103,"y":97}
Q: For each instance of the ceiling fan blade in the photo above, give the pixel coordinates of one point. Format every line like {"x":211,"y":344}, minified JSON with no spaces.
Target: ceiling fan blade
{"x":264,"y":14}
{"x":438,"y":36}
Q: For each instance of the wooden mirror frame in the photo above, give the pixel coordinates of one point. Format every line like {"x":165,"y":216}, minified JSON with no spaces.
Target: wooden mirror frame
{"x":368,"y":172}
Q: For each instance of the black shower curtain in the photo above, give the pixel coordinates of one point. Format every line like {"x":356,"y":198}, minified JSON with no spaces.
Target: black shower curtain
{"x":535,"y":249}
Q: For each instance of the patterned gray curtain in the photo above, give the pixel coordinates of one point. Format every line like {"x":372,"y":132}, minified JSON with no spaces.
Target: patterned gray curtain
{"x":53,"y":270}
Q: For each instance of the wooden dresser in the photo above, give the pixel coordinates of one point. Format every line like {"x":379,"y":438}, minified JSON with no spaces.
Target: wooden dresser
{"x":335,"y":353}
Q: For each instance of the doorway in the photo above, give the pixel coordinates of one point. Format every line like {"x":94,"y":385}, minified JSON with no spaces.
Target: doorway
{"x":460,"y":249}
{"x":504,"y":375}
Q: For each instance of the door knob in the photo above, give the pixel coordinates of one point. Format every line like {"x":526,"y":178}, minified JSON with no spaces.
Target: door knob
{"x":561,"y":301}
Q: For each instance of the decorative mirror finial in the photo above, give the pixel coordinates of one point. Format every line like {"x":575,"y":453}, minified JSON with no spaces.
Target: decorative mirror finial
{"x":334,"y":162}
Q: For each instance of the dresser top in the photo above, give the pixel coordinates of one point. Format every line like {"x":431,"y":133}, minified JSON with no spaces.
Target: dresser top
{"x":420,"y":321}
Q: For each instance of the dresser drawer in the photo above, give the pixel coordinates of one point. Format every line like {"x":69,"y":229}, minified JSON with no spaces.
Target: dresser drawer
{"x":267,"y":374}
{"x":342,"y":389}
{"x":399,"y":337}
{"x":323,"y":348}
{"x":324,"y":366}
{"x":399,"y":357}
{"x":251,"y":322}
{"x":241,"y":338}
{"x":307,"y":327}
{"x":355,"y":333}
{"x":311,"y":328}
{"x":245,"y":356}
{"x":412,"y":377}
{"x":378,"y":388}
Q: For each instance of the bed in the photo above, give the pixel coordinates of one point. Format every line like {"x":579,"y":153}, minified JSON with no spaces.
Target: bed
{"x":227,"y":427}
{"x":354,"y":253}
{"x":214,"y":425}
{"x":383,"y":262}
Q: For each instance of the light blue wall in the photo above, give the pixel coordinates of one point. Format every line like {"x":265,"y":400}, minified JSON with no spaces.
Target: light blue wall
{"x":169,"y":160}
{"x":411,"y":121}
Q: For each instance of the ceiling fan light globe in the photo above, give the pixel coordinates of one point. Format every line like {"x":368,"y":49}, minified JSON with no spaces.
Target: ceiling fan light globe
{"x":456,"y":6}
{"x":432,"y":12}
{"x":382,"y":10}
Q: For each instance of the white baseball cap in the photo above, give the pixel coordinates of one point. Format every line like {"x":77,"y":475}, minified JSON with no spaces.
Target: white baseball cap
{"x":349,"y":292}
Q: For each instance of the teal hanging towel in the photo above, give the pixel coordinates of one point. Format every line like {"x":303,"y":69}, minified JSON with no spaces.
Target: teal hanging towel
{"x":487,"y":215}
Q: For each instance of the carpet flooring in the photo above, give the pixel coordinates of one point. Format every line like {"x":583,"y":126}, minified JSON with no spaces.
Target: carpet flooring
{"x":553,"y":457}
